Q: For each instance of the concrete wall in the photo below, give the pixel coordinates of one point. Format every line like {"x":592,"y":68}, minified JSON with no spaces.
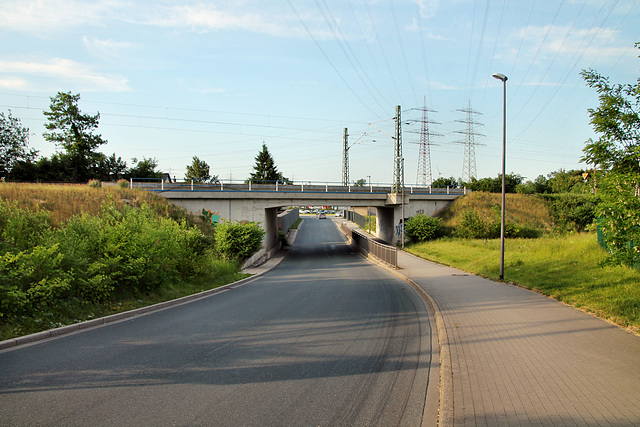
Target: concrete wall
{"x":287,"y":219}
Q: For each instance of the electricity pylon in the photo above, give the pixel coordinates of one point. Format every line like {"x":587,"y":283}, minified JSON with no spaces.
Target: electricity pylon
{"x":423,"y":175}
{"x":469,"y":170}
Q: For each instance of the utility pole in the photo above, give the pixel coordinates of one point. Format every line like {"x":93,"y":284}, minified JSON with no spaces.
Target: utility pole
{"x":345,"y":159}
{"x":398,"y":172}
{"x":469,"y":161}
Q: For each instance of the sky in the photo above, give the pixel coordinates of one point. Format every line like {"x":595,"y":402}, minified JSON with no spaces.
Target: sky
{"x":215,"y":79}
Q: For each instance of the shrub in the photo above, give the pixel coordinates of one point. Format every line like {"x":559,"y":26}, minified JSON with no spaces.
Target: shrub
{"x":31,"y":280}
{"x":421,"y":228}
{"x":571,"y":211}
{"x":237,"y":241}
{"x":94,"y":183}
{"x":21,"y":229}
{"x":123,"y":183}
{"x":472,"y":226}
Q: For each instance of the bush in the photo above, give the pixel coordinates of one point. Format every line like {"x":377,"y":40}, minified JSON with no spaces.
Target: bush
{"x":421,"y":228}
{"x":472,"y":226}
{"x":94,"y":183}
{"x":237,"y":241}
{"x":31,"y":280}
{"x":21,"y":229}
{"x":571,"y":211}
{"x":123,"y":183}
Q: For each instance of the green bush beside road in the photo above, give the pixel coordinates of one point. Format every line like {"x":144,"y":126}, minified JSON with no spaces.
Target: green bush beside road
{"x":118,"y":257}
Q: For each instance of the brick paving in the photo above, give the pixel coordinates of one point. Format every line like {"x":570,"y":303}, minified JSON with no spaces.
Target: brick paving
{"x":515,"y":357}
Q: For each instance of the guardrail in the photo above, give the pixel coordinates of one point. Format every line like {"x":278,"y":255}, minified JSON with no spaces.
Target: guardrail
{"x":159,"y":184}
{"x":384,"y":253}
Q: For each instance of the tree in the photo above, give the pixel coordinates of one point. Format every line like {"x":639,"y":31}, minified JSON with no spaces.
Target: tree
{"x":74,"y":132}
{"x":265,"y":170}
{"x":494,"y":185}
{"x":145,"y":168}
{"x":199,"y":171}
{"x":617,"y":121}
{"x":14,"y":140}
{"x":360,"y":183}
{"x":445,"y":182}
{"x":110,"y":168}
{"x":617,"y":153}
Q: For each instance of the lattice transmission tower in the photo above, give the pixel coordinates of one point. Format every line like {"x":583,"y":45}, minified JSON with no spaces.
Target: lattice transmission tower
{"x":469,"y":170}
{"x":423,"y":175}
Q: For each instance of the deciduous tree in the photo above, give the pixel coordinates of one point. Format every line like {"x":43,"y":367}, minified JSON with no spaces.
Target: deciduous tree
{"x":14,"y":142}
{"x":73,"y":131}
{"x":617,"y":153}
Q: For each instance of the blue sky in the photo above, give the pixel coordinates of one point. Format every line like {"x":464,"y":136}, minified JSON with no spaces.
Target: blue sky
{"x":174,"y":79}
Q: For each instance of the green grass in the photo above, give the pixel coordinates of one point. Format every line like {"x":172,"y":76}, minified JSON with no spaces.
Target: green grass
{"x":567,"y":268}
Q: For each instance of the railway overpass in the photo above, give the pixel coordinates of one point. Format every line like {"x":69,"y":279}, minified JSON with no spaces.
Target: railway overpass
{"x":261,"y":202}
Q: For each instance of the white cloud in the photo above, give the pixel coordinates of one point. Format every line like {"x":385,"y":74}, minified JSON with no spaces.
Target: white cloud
{"x":565,"y":41}
{"x":60,"y":72}
{"x":44,"y":16}
{"x":428,"y":8}
{"x":14,"y":83}
{"x":107,"y":49}
{"x":204,"y":17}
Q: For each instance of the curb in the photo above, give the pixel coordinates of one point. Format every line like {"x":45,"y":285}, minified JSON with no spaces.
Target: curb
{"x":38,"y":336}
{"x":445,"y":405}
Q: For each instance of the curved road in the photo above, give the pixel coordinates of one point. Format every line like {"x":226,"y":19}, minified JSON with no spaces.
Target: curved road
{"x":325,"y":338}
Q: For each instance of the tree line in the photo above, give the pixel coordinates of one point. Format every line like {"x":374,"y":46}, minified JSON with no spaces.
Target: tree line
{"x":74,"y":133}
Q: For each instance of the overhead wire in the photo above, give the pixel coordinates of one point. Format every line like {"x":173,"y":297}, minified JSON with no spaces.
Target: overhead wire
{"x":382,"y":51}
{"x":570,"y":69}
{"x":423,"y":51}
{"x":329,"y":60}
{"x":342,"y":40}
{"x":402,"y":51}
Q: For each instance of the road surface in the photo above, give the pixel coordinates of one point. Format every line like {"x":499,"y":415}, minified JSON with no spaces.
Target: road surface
{"x":325,"y":338}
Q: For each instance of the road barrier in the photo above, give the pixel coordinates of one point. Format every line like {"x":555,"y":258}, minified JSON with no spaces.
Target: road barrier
{"x":365,"y":244}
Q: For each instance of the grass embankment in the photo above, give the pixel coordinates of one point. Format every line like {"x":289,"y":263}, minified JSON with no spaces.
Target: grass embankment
{"x":523,"y":209}
{"x":567,"y":267}
{"x":71,"y":253}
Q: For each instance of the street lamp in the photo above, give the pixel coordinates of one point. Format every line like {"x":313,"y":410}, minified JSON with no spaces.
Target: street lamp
{"x":504,"y":151}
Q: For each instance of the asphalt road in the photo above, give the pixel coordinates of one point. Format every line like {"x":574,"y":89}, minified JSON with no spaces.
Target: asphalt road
{"x":325,"y":338}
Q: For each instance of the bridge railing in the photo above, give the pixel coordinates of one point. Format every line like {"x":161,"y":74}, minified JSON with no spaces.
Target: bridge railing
{"x":160,"y":184}
{"x":365,"y":244}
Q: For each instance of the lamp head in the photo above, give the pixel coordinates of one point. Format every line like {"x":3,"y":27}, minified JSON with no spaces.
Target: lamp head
{"x":500,"y":77}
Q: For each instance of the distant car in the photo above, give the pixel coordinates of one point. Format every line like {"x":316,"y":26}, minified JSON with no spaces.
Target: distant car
{"x":322,"y":215}
{"x":338,"y":213}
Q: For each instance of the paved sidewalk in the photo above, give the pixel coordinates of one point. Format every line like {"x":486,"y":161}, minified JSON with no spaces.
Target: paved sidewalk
{"x":515,"y":357}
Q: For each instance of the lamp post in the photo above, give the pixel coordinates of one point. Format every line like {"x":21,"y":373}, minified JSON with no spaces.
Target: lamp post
{"x":503,"y":78}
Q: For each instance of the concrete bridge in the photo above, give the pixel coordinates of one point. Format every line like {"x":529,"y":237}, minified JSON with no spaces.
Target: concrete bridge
{"x":261,"y":202}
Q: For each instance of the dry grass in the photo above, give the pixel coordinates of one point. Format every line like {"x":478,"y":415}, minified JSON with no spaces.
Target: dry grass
{"x":67,"y":200}
{"x":524,"y":209}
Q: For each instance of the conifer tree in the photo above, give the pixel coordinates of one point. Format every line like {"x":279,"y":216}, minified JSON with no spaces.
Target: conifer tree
{"x":265,"y":170}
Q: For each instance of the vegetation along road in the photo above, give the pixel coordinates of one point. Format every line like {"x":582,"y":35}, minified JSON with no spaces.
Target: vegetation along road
{"x":325,"y":338}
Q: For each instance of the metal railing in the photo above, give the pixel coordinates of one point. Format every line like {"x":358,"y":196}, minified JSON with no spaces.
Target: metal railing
{"x":384,"y":253}
{"x":159,"y":184}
